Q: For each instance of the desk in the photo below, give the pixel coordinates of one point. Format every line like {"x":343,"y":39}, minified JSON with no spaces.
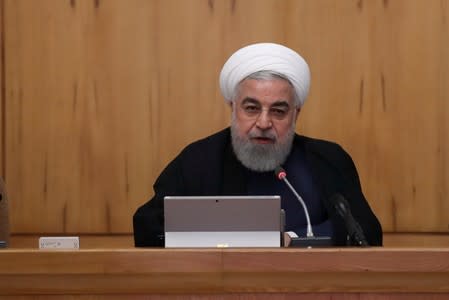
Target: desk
{"x":335,"y":273}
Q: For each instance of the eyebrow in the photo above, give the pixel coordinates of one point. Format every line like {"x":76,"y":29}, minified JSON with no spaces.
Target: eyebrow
{"x":250,"y":100}
{"x":279,"y":103}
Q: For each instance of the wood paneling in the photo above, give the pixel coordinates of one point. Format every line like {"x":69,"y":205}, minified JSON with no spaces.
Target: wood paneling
{"x":246,"y":296}
{"x":223,"y":273}
{"x":380,"y":73}
{"x":4,"y":209}
{"x":100,"y":95}
{"x":2,"y":94}
{"x":81,"y":135}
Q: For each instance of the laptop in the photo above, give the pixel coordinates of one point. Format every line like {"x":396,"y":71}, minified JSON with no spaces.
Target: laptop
{"x":222,"y":221}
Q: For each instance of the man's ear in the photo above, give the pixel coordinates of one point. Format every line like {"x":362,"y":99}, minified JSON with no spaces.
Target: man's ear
{"x":298,"y":110}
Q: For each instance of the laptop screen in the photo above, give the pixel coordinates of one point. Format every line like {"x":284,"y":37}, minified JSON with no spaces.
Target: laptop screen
{"x":222,"y":221}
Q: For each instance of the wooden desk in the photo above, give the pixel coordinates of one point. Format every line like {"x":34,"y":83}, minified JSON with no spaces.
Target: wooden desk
{"x":349,"y":273}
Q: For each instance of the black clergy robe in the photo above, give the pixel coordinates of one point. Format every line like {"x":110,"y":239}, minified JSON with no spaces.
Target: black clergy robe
{"x":209,"y":167}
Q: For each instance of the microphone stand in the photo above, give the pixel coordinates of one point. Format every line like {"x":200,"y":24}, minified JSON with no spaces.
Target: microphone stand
{"x":310,"y":240}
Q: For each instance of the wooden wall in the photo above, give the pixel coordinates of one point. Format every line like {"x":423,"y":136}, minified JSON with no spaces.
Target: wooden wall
{"x":98,"y":95}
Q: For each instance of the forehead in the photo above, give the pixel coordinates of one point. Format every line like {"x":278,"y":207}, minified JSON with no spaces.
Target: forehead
{"x":265,"y":91}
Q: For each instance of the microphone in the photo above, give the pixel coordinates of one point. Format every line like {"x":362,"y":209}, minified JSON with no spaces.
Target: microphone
{"x":282,"y":175}
{"x":310,"y":240}
{"x":356,"y":235}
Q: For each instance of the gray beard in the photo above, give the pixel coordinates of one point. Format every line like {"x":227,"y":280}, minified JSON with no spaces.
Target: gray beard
{"x":261,"y":157}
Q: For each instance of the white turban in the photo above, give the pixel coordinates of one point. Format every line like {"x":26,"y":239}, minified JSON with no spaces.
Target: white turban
{"x":266,"y":57}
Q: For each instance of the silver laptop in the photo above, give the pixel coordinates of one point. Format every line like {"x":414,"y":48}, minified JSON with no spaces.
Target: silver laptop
{"x":222,"y":221}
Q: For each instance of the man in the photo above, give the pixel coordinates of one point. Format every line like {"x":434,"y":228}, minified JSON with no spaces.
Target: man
{"x":265,"y":85}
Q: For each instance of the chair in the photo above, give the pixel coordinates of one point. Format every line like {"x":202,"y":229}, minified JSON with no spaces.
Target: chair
{"x":4,"y":218}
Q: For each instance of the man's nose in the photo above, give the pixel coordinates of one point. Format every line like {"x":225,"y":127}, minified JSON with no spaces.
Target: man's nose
{"x":264,"y":120}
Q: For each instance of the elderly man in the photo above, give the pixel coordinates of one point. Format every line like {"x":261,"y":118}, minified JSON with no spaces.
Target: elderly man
{"x":265,"y":85}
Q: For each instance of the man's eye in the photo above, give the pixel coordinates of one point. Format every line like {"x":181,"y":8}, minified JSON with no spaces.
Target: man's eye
{"x":278,"y":112}
{"x":251,"y":109}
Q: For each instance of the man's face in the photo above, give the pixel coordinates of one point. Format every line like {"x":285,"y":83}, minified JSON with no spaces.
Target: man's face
{"x":263,"y":123}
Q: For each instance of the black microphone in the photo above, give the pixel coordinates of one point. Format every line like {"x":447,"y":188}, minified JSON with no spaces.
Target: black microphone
{"x":310,"y":240}
{"x":356,"y":235}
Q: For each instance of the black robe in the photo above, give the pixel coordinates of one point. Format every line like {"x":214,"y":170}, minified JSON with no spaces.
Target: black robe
{"x":209,"y":167}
